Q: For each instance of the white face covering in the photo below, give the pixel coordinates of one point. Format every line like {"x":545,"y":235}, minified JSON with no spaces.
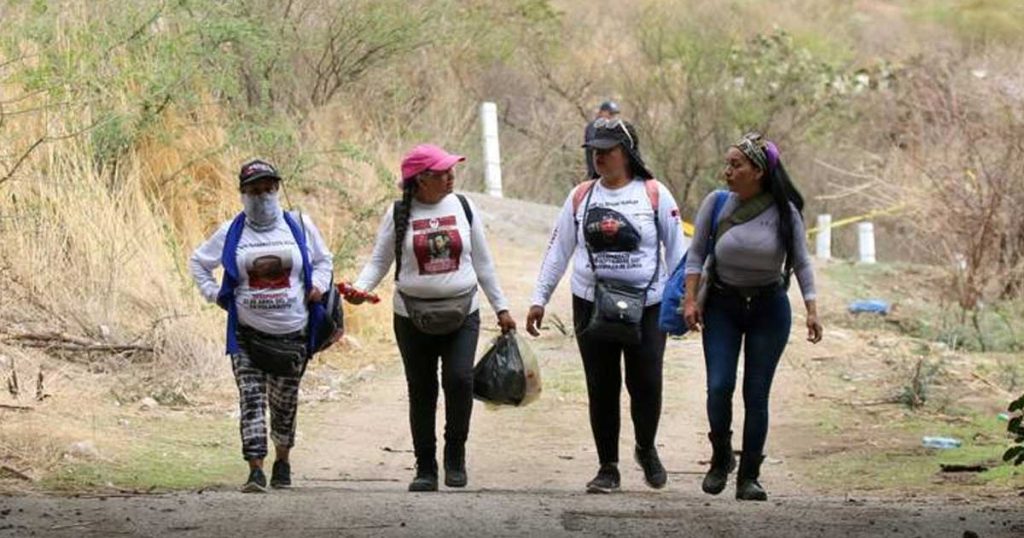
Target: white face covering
{"x":261,"y":210}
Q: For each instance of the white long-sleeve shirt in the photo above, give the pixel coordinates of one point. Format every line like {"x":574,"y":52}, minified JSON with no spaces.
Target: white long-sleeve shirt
{"x":270,"y":296}
{"x":632,"y":268}
{"x":442,"y":255}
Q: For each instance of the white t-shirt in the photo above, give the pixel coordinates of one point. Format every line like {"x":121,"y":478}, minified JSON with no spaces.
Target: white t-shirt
{"x":270,"y":295}
{"x":635,"y":267}
{"x":442,"y":255}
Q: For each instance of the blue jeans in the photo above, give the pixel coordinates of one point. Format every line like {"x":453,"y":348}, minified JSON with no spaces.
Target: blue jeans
{"x":761,"y":325}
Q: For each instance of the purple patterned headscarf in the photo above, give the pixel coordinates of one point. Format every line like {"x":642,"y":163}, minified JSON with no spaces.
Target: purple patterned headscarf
{"x":763,"y":153}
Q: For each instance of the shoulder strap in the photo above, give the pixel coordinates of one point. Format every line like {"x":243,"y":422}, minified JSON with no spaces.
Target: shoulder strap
{"x":653,"y":193}
{"x":466,"y":209}
{"x":394,"y":226}
{"x":579,"y":193}
{"x":745,"y":212}
{"x":300,"y":242}
{"x":228,"y":255}
{"x":720,"y":198}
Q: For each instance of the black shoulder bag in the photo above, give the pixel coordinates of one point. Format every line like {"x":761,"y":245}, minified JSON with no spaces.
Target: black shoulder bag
{"x":618,"y":307}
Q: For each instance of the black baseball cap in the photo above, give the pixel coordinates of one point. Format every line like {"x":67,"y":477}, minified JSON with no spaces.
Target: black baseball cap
{"x":611,"y":133}
{"x":615,"y":132}
{"x":609,"y":106}
{"x":256,"y":169}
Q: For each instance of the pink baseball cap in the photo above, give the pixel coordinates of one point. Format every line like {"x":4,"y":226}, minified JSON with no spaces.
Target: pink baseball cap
{"x":427,"y":157}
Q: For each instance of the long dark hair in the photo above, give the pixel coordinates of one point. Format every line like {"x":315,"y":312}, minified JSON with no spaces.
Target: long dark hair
{"x":776,"y":182}
{"x":403,"y":209}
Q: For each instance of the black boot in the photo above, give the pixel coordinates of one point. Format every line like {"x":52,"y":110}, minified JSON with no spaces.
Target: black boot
{"x":426,"y":477}
{"x":723,"y":462}
{"x":455,"y":465}
{"x":747,"y":486}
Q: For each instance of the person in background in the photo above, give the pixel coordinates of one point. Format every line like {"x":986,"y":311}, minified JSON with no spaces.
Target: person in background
{"x":266,"y":295}
{"x":436,"y":240}
{"x":607,"y":110}
{"x":760,"y":243}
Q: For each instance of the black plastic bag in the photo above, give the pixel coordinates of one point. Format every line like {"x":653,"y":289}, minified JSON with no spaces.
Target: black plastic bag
{"x":500,"y":375}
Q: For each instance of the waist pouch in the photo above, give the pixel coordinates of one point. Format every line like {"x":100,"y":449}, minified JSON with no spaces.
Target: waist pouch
{"x":439,"y":316}
{"x":746,"y":292}
{"x":618,"y":311}
{"x":281,"y":355}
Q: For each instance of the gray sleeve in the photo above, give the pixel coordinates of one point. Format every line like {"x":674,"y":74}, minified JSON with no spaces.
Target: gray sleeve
{"x":802,"y":266}
{"x":699,"y":244}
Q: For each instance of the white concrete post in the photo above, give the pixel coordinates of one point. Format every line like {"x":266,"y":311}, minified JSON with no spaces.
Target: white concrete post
{"x":866,"y":242}
{"x":492,"y":154}
{"x":823,"y":241}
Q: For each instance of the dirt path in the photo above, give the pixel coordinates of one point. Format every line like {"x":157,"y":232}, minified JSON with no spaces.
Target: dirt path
{"x":527,"y":466}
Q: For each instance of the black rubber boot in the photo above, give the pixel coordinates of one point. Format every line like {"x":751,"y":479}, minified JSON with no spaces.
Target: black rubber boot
{"x":426,"y":477}
{"x":723,"y":462}
{"x":455,"y":465}
{"x":747,"y":486}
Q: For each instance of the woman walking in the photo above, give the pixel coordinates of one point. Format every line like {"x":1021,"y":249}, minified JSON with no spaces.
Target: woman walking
{"x":275,"y":264}
{"x":436,"y":239}
{"x":747,"y":244}
{"x":613,"y":229}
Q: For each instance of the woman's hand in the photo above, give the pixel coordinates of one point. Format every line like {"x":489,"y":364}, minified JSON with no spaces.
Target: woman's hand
{"x":314,"y":295}
{"x":506,"y":322}
{"x":533,"y":319}
{"x":814,"y":328}
{"x":692,"y":315}
{"x":355,"y":299}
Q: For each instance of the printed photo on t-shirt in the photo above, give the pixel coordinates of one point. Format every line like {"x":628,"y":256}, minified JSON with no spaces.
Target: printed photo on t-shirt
{"x":437,"y":244}
{"x":269,"y":272}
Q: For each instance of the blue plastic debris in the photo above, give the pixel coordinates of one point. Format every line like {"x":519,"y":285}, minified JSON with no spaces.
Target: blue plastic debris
{"x":870,"y":306}
{"x":940,"y":442}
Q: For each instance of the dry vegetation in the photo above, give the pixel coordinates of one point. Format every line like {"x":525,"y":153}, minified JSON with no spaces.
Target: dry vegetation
{"x":121,"y":126}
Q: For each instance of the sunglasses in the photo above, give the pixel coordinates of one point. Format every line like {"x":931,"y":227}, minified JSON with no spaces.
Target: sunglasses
{"x":614,"y":123}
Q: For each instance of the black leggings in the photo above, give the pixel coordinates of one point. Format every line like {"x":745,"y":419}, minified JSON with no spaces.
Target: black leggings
{"x":420,"y":352}
{"x":601,"y":362}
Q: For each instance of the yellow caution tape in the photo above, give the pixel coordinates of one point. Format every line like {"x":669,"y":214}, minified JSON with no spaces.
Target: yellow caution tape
{"x":859,"y":218}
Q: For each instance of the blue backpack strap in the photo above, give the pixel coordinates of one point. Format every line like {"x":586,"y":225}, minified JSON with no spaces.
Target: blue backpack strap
{"x":307,"y":270}
{"x":721,"y":197}
{"x":226,"y":295}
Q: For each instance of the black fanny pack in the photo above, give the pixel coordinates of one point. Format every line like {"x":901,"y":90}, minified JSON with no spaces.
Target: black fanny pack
{"x":439,"y":316}
{"x":281,"y":355}
{"x":618,"y":312}
{"x":747,"y":292}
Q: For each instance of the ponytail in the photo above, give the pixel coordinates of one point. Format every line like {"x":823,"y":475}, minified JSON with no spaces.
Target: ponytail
{"x":403,"y":209}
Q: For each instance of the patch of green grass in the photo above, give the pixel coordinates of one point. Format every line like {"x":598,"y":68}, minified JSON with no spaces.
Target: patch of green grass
{"x":166,"y":453}
{"x":916,"y":467}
